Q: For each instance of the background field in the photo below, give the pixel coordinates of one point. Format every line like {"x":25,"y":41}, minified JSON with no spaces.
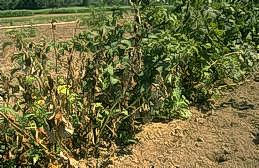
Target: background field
{"x":39,"y":19}
{"x":68,"y":10}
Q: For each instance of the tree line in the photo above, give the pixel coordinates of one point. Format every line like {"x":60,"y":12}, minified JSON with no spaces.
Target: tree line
{"x":41,"y":4}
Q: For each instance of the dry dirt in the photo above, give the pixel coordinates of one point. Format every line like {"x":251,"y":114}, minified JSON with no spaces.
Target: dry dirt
{"x":62,"y":32}
{"x":46,"y":15}
{"x":227,"y":137}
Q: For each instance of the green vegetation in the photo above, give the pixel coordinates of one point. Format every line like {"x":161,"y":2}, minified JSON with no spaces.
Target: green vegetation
{"x":81,"y":97}
{"x":69,"y":10}
{"x":18,"y":13}
{"x":43,"y":4}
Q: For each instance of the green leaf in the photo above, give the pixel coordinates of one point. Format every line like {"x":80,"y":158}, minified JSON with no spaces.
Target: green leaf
{"x":113,"y":80}
{"x":35,"y":158}
{"x":110,"y":69}
{"x":250,"y":63}
{"x":125,"y":112}
{"x":160,"y":69}
{"x":98,"y":105}
{"x":126,"y":42}
{"x":169,"y":78}
{"x":207,"y":45}
{"x":30,"y":79}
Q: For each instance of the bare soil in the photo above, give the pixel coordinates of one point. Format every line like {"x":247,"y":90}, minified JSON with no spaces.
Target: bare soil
{"x":45,"y":15}
{"x":227,"y":137}
{"x":62,"y":32}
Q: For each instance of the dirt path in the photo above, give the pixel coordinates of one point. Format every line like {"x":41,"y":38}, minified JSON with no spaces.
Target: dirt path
{"x":45,"y":15}
{"x":227,"y":138}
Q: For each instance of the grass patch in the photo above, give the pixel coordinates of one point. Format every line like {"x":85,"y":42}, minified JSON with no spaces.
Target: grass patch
{"x":20,"y":13}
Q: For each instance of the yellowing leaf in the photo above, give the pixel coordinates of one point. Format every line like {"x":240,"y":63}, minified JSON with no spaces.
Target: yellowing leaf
{"x":63,"y":89}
